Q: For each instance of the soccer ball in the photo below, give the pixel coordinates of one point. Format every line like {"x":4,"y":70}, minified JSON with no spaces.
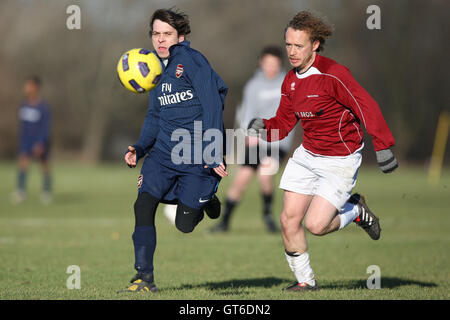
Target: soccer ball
{"x":139,"y":70}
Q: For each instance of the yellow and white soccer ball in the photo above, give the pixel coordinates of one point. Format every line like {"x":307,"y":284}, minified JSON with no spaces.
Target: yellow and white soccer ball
{"x":139,"y":70}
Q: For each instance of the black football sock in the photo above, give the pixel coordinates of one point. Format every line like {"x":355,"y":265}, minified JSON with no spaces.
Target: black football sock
{"x":267,"y":201}
{"x":21,"y":180}
{"x":144,"y":240}
{"x":229,"y":207}
{"x":144,"y":235}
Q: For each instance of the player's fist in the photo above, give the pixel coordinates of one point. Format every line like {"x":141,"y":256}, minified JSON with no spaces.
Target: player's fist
{"x":386,"y":160}
{"x":255,"y":126}
{"x":130,"y":157}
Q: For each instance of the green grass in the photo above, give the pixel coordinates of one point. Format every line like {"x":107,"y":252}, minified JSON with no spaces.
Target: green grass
{"x":90,"y":222}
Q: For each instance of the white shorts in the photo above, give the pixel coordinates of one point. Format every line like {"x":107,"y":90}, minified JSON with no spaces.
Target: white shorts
{"x":332,"y":178}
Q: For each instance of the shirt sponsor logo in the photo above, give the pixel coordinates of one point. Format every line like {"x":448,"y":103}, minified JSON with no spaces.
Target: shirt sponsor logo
{"x":312,"y":96}
{"x":178,"y":97}
{"x":305,"y":114}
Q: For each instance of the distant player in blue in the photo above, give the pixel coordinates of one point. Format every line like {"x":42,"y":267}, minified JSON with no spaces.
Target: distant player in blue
{"x":34,"y":139}
{"x":187,"y":102}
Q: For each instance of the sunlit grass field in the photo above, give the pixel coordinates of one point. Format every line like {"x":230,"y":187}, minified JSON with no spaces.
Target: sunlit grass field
{"x":90,"y":221}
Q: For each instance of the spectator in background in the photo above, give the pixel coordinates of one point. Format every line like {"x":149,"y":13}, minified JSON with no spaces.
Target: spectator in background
{"x":260,"y":99}
{"x":34,"y":138}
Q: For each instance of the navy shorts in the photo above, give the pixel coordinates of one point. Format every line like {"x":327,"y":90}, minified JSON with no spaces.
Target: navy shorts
{"x":193,"y":187}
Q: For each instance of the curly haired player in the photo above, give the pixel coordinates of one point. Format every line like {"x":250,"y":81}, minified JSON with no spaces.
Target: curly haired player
{"x":319,"y":177}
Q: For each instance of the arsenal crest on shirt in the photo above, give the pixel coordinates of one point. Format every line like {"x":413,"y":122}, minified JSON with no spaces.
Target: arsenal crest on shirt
{"x":140,"y":179}
{"x":179,"y":70}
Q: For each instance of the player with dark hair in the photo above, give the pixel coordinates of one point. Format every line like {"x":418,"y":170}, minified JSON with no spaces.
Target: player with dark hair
{"x":34,"y":140}
{"x":260,"y":99}
{"x":319,"y":177}
{"x":189,"y":93}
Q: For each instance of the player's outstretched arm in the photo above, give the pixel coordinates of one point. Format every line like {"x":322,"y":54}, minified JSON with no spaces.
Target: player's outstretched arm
{"x":130,"y":157}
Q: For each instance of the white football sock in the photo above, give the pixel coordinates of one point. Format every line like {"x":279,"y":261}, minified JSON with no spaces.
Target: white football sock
{"x":348,"y":213}
{"x":301,"y":268}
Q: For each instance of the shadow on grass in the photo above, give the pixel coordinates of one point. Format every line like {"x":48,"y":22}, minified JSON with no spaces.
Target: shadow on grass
{"x":240,"y":286}
{"x":386,"y":283}
{"x":235,"y":286}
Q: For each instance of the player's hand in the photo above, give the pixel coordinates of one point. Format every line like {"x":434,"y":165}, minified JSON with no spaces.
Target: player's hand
{"x":386,"y":160}
{"x":220,"y":170}
{"x":130,"y":157}
{"x":255,"y":126}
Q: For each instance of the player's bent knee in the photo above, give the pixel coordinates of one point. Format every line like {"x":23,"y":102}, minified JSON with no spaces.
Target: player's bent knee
{"x":185,"y":228}
{"x":145,"y":209}
{"x":315,"y":228}
{"x":187,"y":218}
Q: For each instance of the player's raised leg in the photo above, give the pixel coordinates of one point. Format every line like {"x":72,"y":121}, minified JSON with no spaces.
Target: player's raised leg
{"x":365,"y":218}
{"x":322,"y":217}
{"x":187,"y":217}
{"x":196,"y":194}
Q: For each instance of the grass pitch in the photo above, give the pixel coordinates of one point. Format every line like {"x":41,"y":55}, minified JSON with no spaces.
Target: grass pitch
{"x":90,"y":221}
